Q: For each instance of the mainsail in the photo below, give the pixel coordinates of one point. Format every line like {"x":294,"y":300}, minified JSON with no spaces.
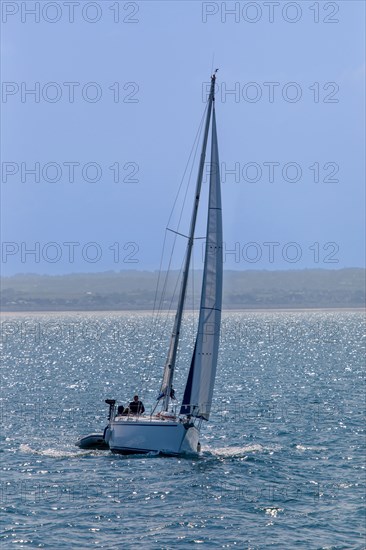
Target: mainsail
{"x":200,"y":383}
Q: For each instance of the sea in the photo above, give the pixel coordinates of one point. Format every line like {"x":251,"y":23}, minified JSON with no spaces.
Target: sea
{"x":282,"y":461}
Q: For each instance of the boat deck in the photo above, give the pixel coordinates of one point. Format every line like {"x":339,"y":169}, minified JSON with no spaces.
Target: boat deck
{"x":150,"y":419}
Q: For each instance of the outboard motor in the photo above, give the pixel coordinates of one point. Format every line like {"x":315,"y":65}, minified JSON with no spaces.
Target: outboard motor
{"x":111,"y":403}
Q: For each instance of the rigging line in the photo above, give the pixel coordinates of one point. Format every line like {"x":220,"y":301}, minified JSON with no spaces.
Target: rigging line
{"x":163,"y":292}
{"x":194,"y":152}
{"x":193,"y":149}
{"x":194,"y":145}
{"x":165,"y":322}
{"x":193,"y":304}
{"x":196,"y":142}
{"x":157,"y":310}
{"x":154,"y":307}
{"x":177,"y":232}
{"x":173,"y":296}
{"x":192,"y":165}
{"x":181,"y":212}
{"x":159,"y":276}
{"x":186,"y":192}
{"x":169,"y":310}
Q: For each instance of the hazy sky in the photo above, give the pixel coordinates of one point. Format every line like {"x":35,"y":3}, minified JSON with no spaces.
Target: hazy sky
{"x":121,"y":85}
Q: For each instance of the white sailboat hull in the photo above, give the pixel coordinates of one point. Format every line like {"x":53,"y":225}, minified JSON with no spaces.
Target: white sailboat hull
{"x":130,"y":435}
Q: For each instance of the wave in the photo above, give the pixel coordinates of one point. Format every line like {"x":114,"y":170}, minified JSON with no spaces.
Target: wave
{"x":310,"y":448}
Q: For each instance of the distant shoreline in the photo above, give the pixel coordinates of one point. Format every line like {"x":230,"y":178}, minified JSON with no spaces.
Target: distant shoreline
{"x":150,"y":312}
{"x":251,"y":291}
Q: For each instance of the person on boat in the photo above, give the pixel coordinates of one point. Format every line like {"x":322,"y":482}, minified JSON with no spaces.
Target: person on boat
{"x":120,"y":409}
{"x":136,"y":406}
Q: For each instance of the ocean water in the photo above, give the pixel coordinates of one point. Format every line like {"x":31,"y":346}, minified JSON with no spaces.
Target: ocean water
{"x":282,"y":462}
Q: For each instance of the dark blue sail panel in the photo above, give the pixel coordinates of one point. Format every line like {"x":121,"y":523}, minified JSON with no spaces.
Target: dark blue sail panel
{"x":186,"y":403}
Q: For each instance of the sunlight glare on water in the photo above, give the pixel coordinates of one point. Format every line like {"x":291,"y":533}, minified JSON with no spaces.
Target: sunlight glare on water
{"x":281,"y":462}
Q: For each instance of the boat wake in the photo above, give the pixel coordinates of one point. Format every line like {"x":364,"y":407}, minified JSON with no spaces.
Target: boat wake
{"x":241,"y":452}
{"x":56,"y":453}
{"x":233,"y":452}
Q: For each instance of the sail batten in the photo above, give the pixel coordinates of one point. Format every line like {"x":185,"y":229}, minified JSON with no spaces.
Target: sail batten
{"x":199,"y":388}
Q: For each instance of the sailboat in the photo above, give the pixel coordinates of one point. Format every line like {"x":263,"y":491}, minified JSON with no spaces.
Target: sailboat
{"x":165,"y":431}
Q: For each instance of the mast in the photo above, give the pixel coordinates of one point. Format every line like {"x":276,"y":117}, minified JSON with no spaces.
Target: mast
{"x":174,"y":340}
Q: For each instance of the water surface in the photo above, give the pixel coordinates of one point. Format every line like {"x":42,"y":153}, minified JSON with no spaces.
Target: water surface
{"x":282,"y":457}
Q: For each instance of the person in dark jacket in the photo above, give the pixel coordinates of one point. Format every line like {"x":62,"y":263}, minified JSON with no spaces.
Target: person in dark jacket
{"x":136,"y":406}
